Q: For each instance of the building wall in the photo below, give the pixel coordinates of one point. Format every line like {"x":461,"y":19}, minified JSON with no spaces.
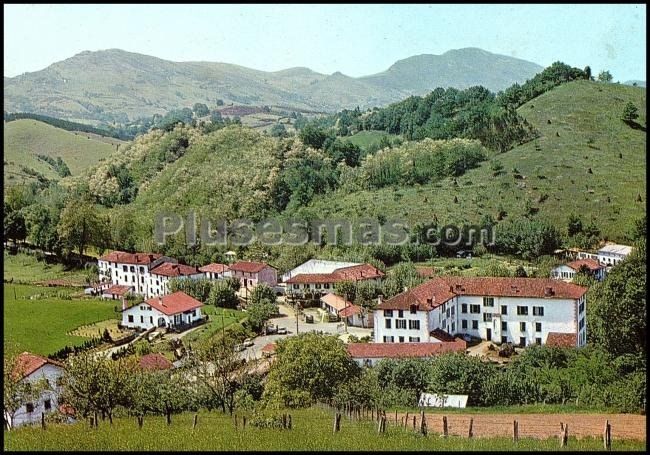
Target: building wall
{"x":146,"y":317}
{"x":407,"y":334}
{"x":607,"y":258}
{"x":566,"y":273}
{"x":159,"y":284}
{"x":52,"y":373}
{"x":134,"y":275}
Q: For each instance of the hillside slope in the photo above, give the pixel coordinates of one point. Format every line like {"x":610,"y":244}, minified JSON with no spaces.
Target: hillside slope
{"x":24,"y":139}
{"x":580,"y":129}
{"x":114,"y":84}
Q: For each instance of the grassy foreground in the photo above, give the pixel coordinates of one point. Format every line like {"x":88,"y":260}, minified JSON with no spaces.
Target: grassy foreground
{"x":25,"y":268}
{"x":41,"y":325}
{"x":312,"y":430}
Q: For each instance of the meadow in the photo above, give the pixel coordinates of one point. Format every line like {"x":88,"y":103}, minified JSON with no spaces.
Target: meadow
{"x":364,"y":138}
{"x":312,"y":430}
{"x":38,"y":319}
{"x":25,"y":268}
{"x":215,"y":323}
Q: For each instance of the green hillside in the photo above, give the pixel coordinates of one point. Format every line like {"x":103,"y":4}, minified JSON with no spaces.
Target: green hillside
{"x":585,"y":132}
{"x":25,"y":139}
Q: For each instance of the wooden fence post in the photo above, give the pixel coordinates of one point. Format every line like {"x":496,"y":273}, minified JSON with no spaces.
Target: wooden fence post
{"x":515,"y":431}
{"x":289,"y":424}
{"x":140,"y":422}
{"x":445,"y":432}
{"x":372,"y":413}
{"x":414,"y":423}
{"x":43,"y":420}
{"x":607,"y":436}
{"x":423,"y":424}
{"x":564,"y":435}
{"x":196,"y":416}
{"x":169,"y":418}
{"x":234,"y":418}
{"x":470,"y":433}
{"x":406,"y":419}
{"x":337,"y":422}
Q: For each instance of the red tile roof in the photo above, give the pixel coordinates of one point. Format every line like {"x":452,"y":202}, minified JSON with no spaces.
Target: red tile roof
{"x":402,"y":350}
{"x":269,"y":348}
{"x":435,"y":292}
{"x":122,"y":257}
{"x":175,"y":303}
{"x":171,"y":269}
{"x":591,"y":264}
{"x":562,"y":340}
{"x":350,"y":311}
{"x":248,"y":267}
{"x":154,"y":361}
{"x":352,"y":273}
{"x":336,"y":302}
{"x":117,"y":289}
{"x":27,"y":363}
{"x":214,"y":268}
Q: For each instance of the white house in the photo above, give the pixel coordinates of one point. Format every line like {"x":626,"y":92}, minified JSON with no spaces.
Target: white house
{"x":521,"y":311}
{"x":215,"y":271}
{"x":354,"y":314}
{"x":177,"y":310}
{"x":317,"y":266}
{"x":322,"y":283}
{"x":160,"y":275}
{"x":33,"y":368}
{"x":130,"y":269}
{"x":613,"y":254}
{"x":567,"y":272}
{"x":368,"y":354}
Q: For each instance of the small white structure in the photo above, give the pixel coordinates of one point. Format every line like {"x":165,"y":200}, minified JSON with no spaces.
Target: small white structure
{"x":322,"y":283}
{"x":613,"y":254}
{"x":177,"y":311}
{"x":33,"y":368}
{"x":215,"y":271}
{"x":567,"y":272}
{"x":160,"y":275}
{"x":336,"y":305}
{"x":443,"y":401}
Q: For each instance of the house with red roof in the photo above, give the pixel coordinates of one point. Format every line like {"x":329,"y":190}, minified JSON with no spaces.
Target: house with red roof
{"x":567,"y":272}
{"x":318,"y":284}
{"x":33,"y":368}
{"x":130,"y":269}
{"x":160,"y":275}
{"x":521,"y":311}
{"x":337,"y":305}
{"x":154,"y":362}
{"x":251,"y":274}
{"x":368,"y":354}
{"x":177,"y":311}
{"x":215,"y":271}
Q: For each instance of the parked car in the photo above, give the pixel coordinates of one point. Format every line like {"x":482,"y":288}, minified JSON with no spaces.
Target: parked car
{"x":248,"y":342}
{"x":309,"y":318}
{"x":269,"y":329}
{"x":464,"y":254}
{"x":282,"y":330}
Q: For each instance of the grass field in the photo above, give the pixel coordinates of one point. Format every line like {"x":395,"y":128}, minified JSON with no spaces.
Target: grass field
{"x":364,"y":138}
{"x":214,"y":325}
{"x":42,"y":325}
{"x":25,"y":268}
{"x":475,"y":265}
{"x":312,"y":430}
{"x":581,"y":131}
{"x":25,"y":138}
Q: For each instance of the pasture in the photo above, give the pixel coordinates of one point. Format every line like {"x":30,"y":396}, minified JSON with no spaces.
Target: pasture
{"x":311,"y":430}
{"x":25,"y":268}
{"x":215,"y":323}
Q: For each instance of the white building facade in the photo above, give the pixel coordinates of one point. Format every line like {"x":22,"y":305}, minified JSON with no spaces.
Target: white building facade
{"x":130,"y":269}
{"x":173,"y":311}
{"x":610,"y":255}
{"x":160,"y":275}
{"x":522,"y":311}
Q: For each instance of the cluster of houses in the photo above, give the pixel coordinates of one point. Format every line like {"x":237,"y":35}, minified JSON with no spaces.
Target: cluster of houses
{"x":595,"y":263}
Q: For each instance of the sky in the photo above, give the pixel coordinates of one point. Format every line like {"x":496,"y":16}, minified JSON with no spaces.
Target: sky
{"x":357,"y":40}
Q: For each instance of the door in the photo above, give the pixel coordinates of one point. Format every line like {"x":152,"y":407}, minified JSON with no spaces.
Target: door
{"x":489,"y":334}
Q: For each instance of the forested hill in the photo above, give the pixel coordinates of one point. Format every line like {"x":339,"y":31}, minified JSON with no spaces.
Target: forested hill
{"x":115,"y":85}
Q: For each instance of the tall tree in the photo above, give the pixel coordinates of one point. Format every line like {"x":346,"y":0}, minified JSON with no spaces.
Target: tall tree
{"x":605,"y":76}
{"x":81,"y":226}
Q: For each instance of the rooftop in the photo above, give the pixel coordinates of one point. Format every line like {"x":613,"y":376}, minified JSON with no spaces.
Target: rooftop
{"x":336,"y":302}
{"x":175,"y":303}
{"x":171,"y":269}
{"x":352,"y":273}
{"x":403,"y":350}
{"x":27,"y":363}
{"x":562,"y":340}
{"x":214,"y":268}
{"x":591,"y":264}
{"x":154,"y":361}
{"x":122,"y":257}
{"x":614,"y":248}
{"x":117,"y":289}
{"x":249,"y":267}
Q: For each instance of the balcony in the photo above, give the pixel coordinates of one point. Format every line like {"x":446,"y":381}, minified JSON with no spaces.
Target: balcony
{"x":178,"y":328}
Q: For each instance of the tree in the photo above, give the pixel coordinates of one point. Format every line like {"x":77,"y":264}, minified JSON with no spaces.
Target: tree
{"x":496,"y":269}
{"x":605,"y":76}
{"x":41,"y":223}
{"x":574,"y":225}
{"x":81,"y":226}
{"x":407,"y":374}
{"x":308,"y":368}
{"x":587,"y":71}
{"x":17,"y":391}
{"x":346,"y":289}
{"x":259,"y":312}
{"x":14,"y":225}
{"x":222,"y":295}
{"x":200,"y":109}
{"x":521,"y":272}
{"x":312,"y":136}
{"x":262,"y":293}
{"x":630,"y":113}
{"x":198,"y":288}
{"x":278,"y":130}
{"x":622,"y":293}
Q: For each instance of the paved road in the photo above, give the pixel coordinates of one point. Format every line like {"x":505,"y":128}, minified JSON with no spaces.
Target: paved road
{"x":288,"y":320}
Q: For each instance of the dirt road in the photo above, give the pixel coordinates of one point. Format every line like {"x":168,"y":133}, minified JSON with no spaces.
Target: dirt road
{"x":624,"y":426}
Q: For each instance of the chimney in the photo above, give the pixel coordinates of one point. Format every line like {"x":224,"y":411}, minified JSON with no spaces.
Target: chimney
{"x":406,"y":288}
{"x":160,"y":301}
{"x":380,"y":299}
{"x":123,"y":304}
{"x":548,"y":291}
{"x":429,"y":301}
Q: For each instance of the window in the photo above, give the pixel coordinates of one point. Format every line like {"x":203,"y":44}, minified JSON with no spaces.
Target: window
{"x":463,"y":308}
{"x":193,"y":312}
{"x":414,"y":309}
{"x":475,"y":325}
{"x":29,"y":407}
{"x":401,"y":339}
{"x":130,"y":318}
{"x":504,"y":326}
{"x":400,"y":313}
{"x":141,"y":279}
{"x":538,"y":341}
{"x":581,"y":324}
{"x":296,"y":286}
{"x":388,"y":339}
{"x":141,"y":269}
{"x":47,"y":404}
{"x":133,"y":279}
{"x":504,"y":309}
{"x":388,"y":313}
{"x":414,"y":324}
{"x":475,"y":309}
{"x":453,"y":310}
{"x":504,"y":339}
{"x":522,"y":310}
{"x":463,"y":323}
{"x":326,"y":286}
{"x":414,"y":339}
{"x":522,"y":341}
{"x":538,"y":311}
{"x":318,"y":285}
{"x":150,"y":319}
{"x":522,"y":326}
{"x":581,"y":308}
{"x":488,"y":301}
{"x":538,"y":327}
{"x":132,"y":269}
{"x":388,"y":324}
{"x":487,"y":317}
{"x":400,"y":324}
{"x":453,"y":326}
{"x":124,"y":269}
{"x":142,"y":319}
{"x":447,"y":312}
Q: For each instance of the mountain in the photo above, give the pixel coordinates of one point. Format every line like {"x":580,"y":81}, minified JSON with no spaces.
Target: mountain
{"x":637,"y":82}
{"x":115,"y":85}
